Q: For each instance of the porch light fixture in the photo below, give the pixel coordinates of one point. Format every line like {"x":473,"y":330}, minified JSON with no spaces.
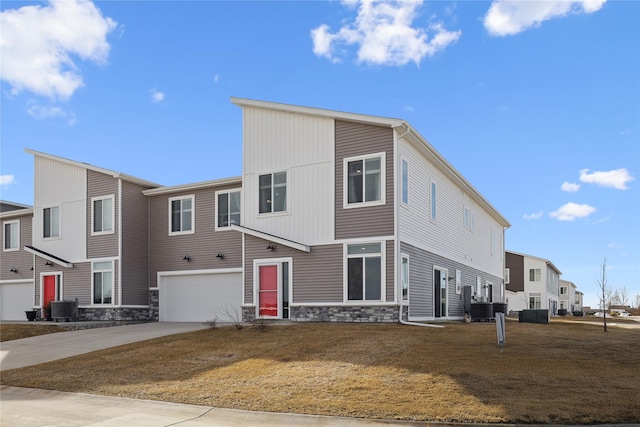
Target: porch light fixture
{"x":271,"y":248}
{"x":187,"y":258}
{"x":220,"y":255}
{"x":48,"y":263}
{"x":31,"y":268}
{"x":13,"y":270}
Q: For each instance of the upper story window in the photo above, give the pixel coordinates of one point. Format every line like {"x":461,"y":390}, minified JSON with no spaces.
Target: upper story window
{"x":364,"y":272}
{"x":51,"y":222}
{"x":181,"y":214}
{"x":273,"y":192}
{"x":405,"y":182}
{"x":11,"y":235}
{"x":364,"y":180}
{"x":103,"y":214}
{"x":507,"y":274}
{"x":563,"y":290}
{"x":434,"y":194}
{"x":534,"y":275}
{"x":227,"y":208}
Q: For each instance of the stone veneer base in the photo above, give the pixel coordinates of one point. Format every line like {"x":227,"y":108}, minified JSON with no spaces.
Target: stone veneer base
{"x":113,"y":314}
{"x":335,"y":314}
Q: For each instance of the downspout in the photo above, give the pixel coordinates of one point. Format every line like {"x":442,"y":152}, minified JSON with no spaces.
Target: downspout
{"x":404,"y":322}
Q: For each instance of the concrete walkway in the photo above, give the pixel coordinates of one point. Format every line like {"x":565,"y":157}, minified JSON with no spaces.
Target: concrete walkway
{"x":46,"y":348}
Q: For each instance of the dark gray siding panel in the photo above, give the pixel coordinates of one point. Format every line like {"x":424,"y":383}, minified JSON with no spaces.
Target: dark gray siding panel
{"x":421,"y":265}
{"x":167,"y":252}
{"x":515,"y":264}
{"x":106,"y":245}
{"x":354,"y":139}
{"x":135,"y":247}
{"x":21,"y":260}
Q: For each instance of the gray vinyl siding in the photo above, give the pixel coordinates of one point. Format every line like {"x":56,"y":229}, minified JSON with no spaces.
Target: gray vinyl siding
{"x":77,"y":283}
{"x":355,"y":139}
{"x":135,"y":247}
{"x":167,"y":252}
{"x":515,"y":264}
{"x":20,"y":259}
{"x":421,"y":265}
{"x":105,"y":245}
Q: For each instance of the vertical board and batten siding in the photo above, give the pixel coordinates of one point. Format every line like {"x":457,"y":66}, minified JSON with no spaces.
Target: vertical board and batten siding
{"x":447,"y":236}
{"x":20,"y":259}
{"x":64,"y":185}
{"x":135,"y":245}
{"x":515,"y":264}
{"x":318,"y":276}
{"x":102,"y":245}
{"x":356,"y":139}
{"x":421,"y":264}
{"x":166,"y":252}
{"x":302,"y":145}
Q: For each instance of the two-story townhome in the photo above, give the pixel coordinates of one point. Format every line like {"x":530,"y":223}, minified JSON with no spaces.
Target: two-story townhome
{"x":89,"y":238}
{"x":567,"y":295}
{"x":578,"y":301}
{"x":16,"y":264}
{"x":350,"y":217}
{"x":532,"y":282}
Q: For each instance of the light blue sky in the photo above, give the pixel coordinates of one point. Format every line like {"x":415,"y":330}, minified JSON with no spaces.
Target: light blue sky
{"x":537,"y":104}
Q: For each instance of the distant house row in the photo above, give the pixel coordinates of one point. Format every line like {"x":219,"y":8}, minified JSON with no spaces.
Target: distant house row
{"x":337,"y":217}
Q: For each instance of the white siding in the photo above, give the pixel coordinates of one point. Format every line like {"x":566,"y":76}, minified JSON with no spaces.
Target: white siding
{"x":447,"y":236}
{"x":533,"y":286}
{"x":63,"y":185}
{"x":304,"y":147}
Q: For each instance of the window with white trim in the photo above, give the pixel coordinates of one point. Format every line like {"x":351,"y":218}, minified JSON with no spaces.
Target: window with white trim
{"x":364,"y":180}
{"x":563,"y":290}
{"x":364,"y":272}
{"x":405,"y":277}
{"x":273,"y":192}
{"x":507,"y":274}
{"x":102,"y":275}
{"x":492,"y":237}
{"x":472,"y":221}
{"x":227,"y":208}
{"x":11,"y":235}
{"x":51,"y":222}
{"x":434,"y":193}
{"x":181,"y":214}
{"x":465,"y":218}
{"x":534,"y":275}
{"x":405,"y":182}
{"x":535,"y":302}
{"x":102,"y":213}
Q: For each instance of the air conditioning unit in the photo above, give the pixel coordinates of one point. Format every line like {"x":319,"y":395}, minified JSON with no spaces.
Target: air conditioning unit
{"x":65,"y":310}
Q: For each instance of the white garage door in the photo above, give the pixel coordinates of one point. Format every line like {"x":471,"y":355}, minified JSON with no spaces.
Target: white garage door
{"x":15,"y":299}
{"x":200,"y":297}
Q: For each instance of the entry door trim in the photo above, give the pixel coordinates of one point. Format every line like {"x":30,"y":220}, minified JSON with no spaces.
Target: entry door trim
{"x":257,"y":263}
{"x":58,"y":293}
{"x":437,"y":302}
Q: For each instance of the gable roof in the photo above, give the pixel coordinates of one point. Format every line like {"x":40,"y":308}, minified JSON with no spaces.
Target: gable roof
{"x":549,"y":263}
{"x":404,"y":129}
{"x":87,"y":166}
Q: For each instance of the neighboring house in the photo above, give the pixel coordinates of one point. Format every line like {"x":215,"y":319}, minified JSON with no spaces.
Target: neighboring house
{"x":567,"y":296}
{"x":337,"y":217}
{"x":16,"y":264}
{"x":532,"y":282}
{"x":90,"y":238}
{"x":578,"y":301}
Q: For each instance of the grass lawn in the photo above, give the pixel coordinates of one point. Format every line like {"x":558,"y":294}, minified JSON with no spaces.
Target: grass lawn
{"x":15,"y":331}
{"x":555,"y":373}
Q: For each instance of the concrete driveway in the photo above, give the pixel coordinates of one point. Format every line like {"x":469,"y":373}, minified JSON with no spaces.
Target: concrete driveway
{"x":45,"y":348}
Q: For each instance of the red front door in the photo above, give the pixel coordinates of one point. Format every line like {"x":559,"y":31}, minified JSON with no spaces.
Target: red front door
{"x":48,"y":290}
{"x":268,"y":292}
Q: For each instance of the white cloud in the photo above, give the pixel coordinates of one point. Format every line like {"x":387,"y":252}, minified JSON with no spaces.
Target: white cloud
{"x":384,"y":35}
{"x":157,"y":96}
{"x":536,"y":215}
{"x":617,"y":179}
{"x":7,"y":180}
{"x":570,"y":187}
{"x":572,"y":211}
{"x":509,"y":17}
{"x":42,"y":112}
{"x":38,"y":42}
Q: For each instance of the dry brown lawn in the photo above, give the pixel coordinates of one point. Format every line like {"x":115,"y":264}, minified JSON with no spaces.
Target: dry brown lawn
{"x":556,"y":373}
{"x":9,"y":331}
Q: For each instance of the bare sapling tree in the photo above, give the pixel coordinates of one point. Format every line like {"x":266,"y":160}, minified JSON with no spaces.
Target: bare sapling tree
{"x":605,"y":292}
{"x":637,"y":304}
{"x":623,"y":295}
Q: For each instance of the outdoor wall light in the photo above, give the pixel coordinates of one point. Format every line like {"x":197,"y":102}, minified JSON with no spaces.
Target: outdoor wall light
{"x":271,"y":248}
{"x":48,"y":263}
{"x":220,"y":255}
{"x":31,"y":268}
{"x":13,"y":270}
{"x":187,"y":258}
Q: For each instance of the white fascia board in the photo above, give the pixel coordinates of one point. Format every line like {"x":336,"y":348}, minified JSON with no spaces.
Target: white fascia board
{"x":16,"y":213}
{"x":48,"y":258}
{"x":271,"y":238}
{"x":236,"y":180}
{"x":312,"y":111}
{"x":109,"y":172}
